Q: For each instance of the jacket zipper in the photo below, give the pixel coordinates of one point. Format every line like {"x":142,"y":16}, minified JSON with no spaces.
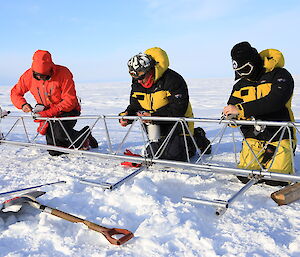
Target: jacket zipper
{"x":39,"y":93}
{"x":256,"y":92}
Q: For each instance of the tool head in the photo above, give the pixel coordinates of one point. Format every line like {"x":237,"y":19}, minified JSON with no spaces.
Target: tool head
{"x":19,"y":201}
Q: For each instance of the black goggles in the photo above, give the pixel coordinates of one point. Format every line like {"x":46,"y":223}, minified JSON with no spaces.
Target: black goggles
{"x":137,"y":74}
{"x":39,"y":76}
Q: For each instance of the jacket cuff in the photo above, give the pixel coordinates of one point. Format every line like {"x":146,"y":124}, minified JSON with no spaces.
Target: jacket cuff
{"x":123,"y":113}
{"x":241,"y":114}
{"x":24,"y":104}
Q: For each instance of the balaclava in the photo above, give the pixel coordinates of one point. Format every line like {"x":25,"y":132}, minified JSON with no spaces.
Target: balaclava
{"x":246,"y":61}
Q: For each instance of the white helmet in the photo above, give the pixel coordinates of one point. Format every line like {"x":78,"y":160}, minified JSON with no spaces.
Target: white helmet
{"x":140,"y":63}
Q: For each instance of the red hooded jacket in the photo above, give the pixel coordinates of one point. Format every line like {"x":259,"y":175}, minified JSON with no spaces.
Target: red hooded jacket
{"x":59,"y":91}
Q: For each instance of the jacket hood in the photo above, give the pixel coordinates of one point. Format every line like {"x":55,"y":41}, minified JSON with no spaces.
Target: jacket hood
{"x":272,"y":59}
{"x":42,"y":62}
{"x":162,"y":59}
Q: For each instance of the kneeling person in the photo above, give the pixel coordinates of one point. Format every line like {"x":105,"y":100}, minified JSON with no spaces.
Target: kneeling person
{"x":162,"y":92}
{"x":54,"y":91}
{"x":263,"y":92}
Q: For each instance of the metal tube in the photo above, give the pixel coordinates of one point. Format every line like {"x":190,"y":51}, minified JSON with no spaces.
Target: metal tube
{"x":206,"y":120}
{"x":103,"y":185}
{"x":193,"y":139}
{"x":246,"y":187}
{"x":25,"y":130}
{"x":29,"y":188}
{"x":107,"y":135}
{"x":263,"y":149}
{"x":186,"y":165}
{"x":291,"y":148}
{"x":185,"y":142}
{"x":255,"y":158}
{"x":221,"y":204}
{"x":216,"y":203}
{"x":130,"y":176}
{"x":13,"y":126}
{"x":221,"y":133}
{"x":52,"y":132}
{"x":222,"y":210}
{"x":125,"y":137}
{"x":234,"y":148}
{"x":164,"y":144}
{"x":277,"y":148}
{"x":67,"y":134}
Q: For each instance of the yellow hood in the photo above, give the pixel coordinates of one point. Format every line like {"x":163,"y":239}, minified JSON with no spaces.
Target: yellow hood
{"x":272,"y":59}
{"x":162,"y":59}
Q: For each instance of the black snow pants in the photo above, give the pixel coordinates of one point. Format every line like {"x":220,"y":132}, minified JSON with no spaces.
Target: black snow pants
{"x":60,"y":137}
{"x":175,"y":149}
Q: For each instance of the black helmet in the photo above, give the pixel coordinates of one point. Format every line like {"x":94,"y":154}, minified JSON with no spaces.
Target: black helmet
{"x":140,"y":63}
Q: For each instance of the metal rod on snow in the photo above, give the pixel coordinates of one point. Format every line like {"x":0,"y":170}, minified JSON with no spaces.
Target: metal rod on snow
{"x":29,"y":188}
{"x":110,"y":186}
{"x":229,"y":202}
{"x":104,"y":185}
{"x":222,"y":205}
{"x":214,"y":203}
{"x":125,"y":179}
{"x":212,"y":168}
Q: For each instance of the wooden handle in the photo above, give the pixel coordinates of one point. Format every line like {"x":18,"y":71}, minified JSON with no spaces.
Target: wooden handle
{"x":66,"y":216}
{"x":107,"y":232}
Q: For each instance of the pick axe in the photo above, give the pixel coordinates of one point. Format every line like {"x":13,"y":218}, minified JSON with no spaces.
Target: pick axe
{"x":30,"y":199}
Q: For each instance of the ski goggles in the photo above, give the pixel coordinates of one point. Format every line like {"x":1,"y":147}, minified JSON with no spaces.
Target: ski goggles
{"x":139,"y":75}
{"x":40,"y":76}
{"x":244,"y":70}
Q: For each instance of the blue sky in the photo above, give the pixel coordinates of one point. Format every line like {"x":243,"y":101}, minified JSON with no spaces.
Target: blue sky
{"x":94,"y":39}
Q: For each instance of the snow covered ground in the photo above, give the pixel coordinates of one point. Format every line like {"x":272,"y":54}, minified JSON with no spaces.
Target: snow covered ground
{"x":150,"y":205}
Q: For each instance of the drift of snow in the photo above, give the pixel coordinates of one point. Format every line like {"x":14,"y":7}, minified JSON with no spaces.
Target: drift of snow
{"x":150,"y":205}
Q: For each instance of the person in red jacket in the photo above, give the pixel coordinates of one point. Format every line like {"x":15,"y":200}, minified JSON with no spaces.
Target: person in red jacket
{"x":54,"y":91}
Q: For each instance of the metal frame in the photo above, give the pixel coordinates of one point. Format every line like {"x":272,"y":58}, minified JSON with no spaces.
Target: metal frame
{"x":201,"y":164}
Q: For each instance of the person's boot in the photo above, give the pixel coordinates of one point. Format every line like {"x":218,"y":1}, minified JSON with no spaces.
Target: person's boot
{"x":275,"y":183}
{"x":202,"y":141}
{"x":86,"y":145}
{"x":92,"y":141}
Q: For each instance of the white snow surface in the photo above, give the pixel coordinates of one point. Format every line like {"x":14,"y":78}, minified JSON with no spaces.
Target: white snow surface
{"x":150,"y":205}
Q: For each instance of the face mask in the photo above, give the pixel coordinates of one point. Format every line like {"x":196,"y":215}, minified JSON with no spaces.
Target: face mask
{"x":248,"y":70}
{"x":244,"y":70}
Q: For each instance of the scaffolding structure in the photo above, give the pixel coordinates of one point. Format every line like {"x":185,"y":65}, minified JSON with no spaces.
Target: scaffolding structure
{"x":199,"y":164}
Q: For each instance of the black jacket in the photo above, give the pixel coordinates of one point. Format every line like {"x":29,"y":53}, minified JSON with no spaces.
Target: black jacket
{"x":267,"y":99}
{"x":168,"y":97}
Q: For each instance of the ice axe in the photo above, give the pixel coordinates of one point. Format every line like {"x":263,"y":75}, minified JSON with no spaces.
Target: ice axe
{"x":107,"y":232}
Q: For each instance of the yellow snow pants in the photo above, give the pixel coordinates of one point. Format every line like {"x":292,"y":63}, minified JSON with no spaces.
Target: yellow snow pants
{"x":282,"y":162}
